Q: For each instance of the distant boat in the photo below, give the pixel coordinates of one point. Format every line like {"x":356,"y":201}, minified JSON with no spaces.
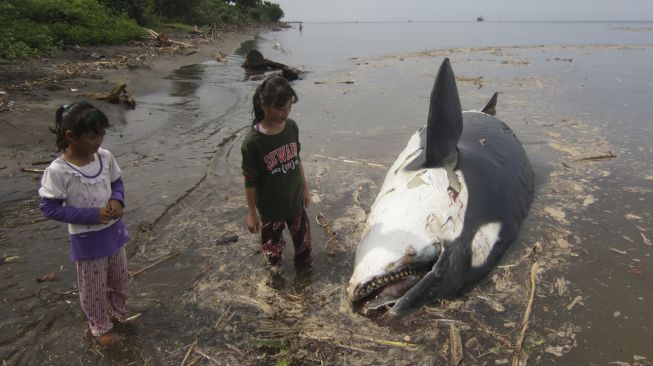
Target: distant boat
{"x":480,"y":19}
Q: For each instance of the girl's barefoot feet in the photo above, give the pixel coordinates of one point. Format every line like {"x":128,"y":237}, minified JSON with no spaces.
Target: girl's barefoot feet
{"x":109,"y":340}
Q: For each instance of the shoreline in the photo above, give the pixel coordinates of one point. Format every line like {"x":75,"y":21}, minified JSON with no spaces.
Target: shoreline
{"x":35,"y":88}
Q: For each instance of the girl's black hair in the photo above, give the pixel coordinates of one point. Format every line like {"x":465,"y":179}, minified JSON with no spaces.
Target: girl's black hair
{"x":273,"y":91}
{"x":79,"y":117}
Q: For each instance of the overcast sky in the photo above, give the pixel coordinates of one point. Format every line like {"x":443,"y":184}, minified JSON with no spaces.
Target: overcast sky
{"x":445,"y":10}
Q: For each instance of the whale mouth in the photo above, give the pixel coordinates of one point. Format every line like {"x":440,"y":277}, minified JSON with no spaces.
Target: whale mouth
{"x":382,"y":292}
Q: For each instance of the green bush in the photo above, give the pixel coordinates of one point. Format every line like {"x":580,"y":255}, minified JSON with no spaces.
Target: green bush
{"x":79,"y":21}
{"x":32,"y":27}
{"x":10,"y":49}
{"x":205,"y":12}
{"x":135,"y":9}
{"x":265,"y":12}
{"x":178,"y":9}
{"x":272,"y":11}
{"x":222,"y":12}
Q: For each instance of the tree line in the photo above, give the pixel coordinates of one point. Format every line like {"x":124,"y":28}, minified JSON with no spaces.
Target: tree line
{"x":33,"y":27}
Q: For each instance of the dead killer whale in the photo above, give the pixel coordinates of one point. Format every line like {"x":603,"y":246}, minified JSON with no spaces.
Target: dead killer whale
{"x":449,"y":207}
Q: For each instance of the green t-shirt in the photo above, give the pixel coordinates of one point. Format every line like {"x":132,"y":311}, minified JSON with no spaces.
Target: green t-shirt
{"x":271,"y":165}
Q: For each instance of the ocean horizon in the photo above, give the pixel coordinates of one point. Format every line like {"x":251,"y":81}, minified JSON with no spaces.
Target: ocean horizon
{"x":327,"y":46}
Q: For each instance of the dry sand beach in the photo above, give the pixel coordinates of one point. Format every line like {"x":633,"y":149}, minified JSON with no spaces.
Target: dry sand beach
{"x":199,"y":283}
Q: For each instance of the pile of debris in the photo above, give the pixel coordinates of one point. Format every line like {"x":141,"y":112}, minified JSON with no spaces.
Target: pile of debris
{"x":164,"y":41}
{"x":210,"y":32}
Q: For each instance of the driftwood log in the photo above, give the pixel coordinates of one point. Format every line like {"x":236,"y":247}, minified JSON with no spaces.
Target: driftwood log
{"x":164,"y":41}
{"x":254,"y":61}
{"x":220,"y":56}
{"x":4,"y":101}
{"x":118,"y":95}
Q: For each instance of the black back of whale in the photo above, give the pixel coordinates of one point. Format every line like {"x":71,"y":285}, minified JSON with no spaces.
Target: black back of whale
{"x":499,"y":180}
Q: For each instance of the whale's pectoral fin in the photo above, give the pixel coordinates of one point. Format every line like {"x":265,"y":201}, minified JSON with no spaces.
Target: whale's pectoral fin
{"x":491,"y":106}
{"x":445,"y":122}
{"x":425,"y":290}
{"x":416,"y":295}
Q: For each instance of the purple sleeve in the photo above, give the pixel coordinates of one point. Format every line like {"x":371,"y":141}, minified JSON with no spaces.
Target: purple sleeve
{"x":118,"y":191}
{"x":55,"y":210}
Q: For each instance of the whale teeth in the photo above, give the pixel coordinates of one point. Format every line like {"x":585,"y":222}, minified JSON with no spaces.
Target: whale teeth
{"x":372,"y":285}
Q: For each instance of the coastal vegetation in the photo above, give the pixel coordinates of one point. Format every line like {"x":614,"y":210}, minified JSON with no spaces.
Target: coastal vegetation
{"x":30,"y":28}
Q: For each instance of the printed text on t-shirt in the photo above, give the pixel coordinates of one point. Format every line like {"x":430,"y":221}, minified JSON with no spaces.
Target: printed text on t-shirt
{"x":285,"y":156}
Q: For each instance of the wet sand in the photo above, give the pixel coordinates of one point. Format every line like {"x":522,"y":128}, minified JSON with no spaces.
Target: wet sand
{"x":211,"y":302}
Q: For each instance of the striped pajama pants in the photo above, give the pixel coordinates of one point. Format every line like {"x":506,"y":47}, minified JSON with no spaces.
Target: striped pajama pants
{"x":102,"y":285}
{"x":272,"y":239}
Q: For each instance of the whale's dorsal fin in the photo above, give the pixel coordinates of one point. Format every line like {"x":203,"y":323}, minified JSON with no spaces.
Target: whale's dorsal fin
{"x":491,"y":106}
{"x":445,"y":122}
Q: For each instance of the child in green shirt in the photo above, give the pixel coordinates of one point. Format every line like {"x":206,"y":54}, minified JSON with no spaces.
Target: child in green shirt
{"x":274,"y":177}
